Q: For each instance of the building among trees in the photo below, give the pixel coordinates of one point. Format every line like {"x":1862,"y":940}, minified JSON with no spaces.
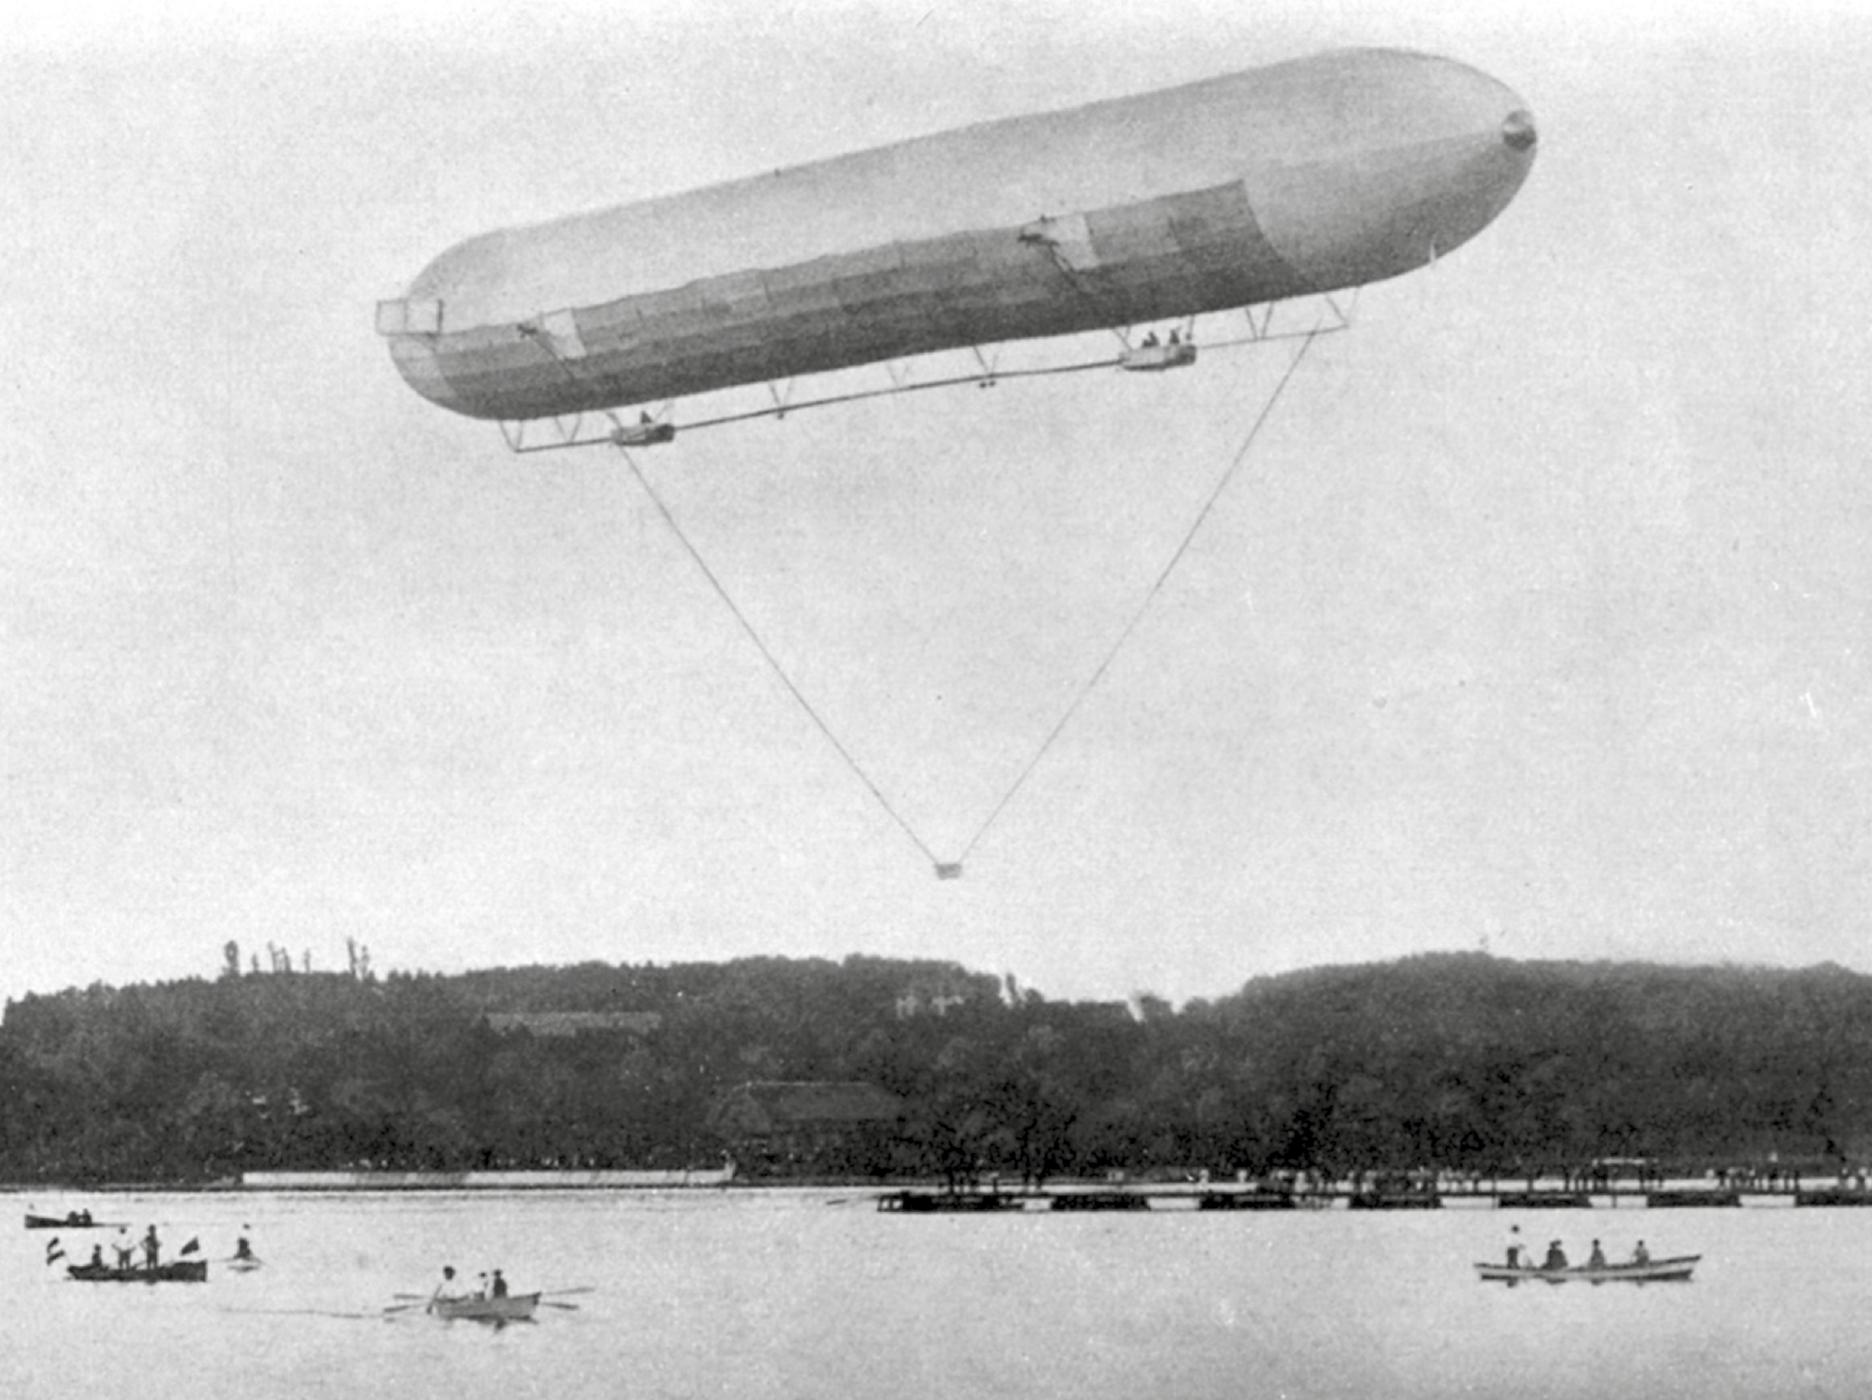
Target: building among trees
{"x":837,"y":1126}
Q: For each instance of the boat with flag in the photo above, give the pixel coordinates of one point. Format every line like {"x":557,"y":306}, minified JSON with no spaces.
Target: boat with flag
{"x":178,"y":1271}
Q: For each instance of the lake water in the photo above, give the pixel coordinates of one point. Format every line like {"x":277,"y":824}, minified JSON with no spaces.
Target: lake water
{"x":806,"y":1295}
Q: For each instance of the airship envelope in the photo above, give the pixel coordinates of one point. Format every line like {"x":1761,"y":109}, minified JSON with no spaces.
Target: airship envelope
{"x":1299,"y":178}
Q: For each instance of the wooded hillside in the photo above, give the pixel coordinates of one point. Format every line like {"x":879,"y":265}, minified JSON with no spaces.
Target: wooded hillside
{"x":1455,"y":1060}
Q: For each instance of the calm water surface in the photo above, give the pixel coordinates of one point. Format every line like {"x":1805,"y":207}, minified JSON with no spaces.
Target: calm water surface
{"x":783,"y":1295}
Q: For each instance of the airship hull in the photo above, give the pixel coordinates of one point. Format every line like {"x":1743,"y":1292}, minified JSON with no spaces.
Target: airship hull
{"x":1307,"y":176}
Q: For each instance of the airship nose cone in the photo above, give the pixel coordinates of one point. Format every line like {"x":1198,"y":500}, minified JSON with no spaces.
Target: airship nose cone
{"x":1410,"y":156}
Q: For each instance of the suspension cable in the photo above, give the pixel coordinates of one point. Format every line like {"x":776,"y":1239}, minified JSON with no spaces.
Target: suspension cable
{"x":1176,"y":557}
{"x":773,"y":662}
{"x":953,"y":869}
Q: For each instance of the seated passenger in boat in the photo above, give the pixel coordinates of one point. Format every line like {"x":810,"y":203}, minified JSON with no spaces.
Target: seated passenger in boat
{"x":1596,"y":1260}
{"x":1556,"y":1257}
{"x":1640,"y":1255}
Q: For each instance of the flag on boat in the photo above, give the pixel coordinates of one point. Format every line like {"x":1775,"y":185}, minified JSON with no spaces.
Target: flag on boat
{"x":193,"y":1246}
{"x":53,"y":1251}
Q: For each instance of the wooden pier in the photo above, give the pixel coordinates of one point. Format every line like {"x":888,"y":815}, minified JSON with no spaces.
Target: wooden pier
{"x":1237,"y":1197}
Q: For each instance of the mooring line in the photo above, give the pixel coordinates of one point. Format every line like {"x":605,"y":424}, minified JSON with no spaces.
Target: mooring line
{"x":772,"y":661}
{"x":1150,"y":596}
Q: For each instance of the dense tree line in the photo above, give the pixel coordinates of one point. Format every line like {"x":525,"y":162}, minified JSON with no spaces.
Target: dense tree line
{"x":1453,"y":1061}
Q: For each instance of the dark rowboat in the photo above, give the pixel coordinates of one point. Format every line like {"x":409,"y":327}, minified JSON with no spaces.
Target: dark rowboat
{"x":1675,"y":1270}
{"x":515,"y":1307}
{"x":181,"y":1271}
{"x":77,"y":1220}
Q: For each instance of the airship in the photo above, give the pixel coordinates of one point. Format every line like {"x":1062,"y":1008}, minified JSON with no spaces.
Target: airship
{"x":1304,"y":177}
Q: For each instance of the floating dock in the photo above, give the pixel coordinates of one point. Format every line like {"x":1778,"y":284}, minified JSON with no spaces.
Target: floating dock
{"x":1207,"y":1197}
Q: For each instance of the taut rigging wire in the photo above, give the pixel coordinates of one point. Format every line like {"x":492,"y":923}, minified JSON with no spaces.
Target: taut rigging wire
{"x":1176,"y":557}
{"x":772,"y":661}
{"x":952,"y":869}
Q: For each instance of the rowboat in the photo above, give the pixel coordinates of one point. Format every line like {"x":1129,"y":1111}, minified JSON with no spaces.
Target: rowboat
{"x":1674,"y":1270}
{"x":515,"y":1307}
{"x":181,"y":1271}
{"x":77,"y":1220}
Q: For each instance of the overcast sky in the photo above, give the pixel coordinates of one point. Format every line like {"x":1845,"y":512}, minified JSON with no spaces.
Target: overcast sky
{"x":1537,"y":617}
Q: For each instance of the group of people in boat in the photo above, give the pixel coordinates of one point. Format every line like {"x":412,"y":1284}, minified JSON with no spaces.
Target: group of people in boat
{"x":493,"y":1285}
{"x":151,"y":1243}
{"x":126,"y":1250}
{"x":1521,"y":1256}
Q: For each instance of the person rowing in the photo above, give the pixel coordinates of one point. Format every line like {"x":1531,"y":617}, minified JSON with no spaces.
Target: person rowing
{"x":445,"y":1290}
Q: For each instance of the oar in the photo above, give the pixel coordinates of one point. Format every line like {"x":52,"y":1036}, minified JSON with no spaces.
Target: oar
{"x":565,"y":1292}
{"x":567,"y":1307}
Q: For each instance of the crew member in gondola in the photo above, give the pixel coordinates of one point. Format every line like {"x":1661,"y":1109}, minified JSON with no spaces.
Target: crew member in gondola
{"x":1640,"y":1255}
{"x":152,"y":1250}
{"x":1596,"y":1260}
{"x":126,"y":1252}
{"x":499,"y":1286}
